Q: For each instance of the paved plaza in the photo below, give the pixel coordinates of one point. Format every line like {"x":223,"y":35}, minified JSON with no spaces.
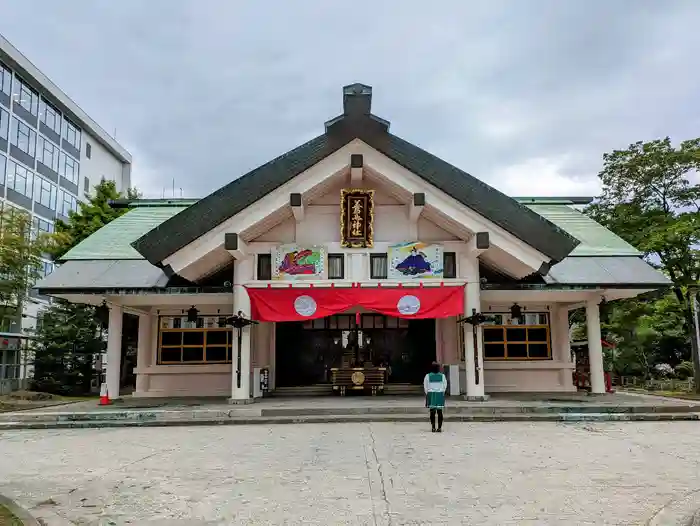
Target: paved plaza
{"x":378,"y":473}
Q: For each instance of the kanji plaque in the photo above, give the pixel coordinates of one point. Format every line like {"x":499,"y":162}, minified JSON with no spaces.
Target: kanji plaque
{"x":357,"y":218}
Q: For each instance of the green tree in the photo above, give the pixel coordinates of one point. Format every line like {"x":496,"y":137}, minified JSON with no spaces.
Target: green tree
{"x":20,"y":262}
{"x":90,"y":217}
{"x":68,"y":339}
{"x":67,"y":342}
{"x":649,"y":201}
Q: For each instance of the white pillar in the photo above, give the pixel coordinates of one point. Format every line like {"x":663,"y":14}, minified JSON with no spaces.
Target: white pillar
{"x":114,"y":349}
{"x":240,"y":394}
{"x":474,"y":361}
{"x":144,"y":353}
{"x":595,"y":347}
{"x":561,"y":344}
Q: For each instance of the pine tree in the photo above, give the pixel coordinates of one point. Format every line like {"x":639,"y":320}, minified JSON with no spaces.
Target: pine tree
{"x":67,"y":344}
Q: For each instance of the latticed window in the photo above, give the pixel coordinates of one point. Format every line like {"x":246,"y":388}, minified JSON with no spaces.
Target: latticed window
{"x":508,"y":338}
{"x":206,"y":340}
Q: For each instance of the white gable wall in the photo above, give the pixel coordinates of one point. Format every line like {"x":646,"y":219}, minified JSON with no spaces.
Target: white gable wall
{"x":320,"y":188}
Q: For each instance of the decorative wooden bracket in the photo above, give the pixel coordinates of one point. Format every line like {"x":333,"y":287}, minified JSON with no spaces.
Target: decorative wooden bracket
{"x":297,"y":206}
{"x":235,"y":245}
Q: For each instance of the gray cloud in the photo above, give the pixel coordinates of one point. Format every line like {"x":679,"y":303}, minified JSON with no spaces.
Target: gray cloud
{"x":204,"y":91}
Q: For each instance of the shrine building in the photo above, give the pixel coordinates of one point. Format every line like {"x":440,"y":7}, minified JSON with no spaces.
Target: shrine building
{"x":361,"y":259}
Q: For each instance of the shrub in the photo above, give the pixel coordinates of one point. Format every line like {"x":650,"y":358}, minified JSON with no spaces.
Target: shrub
{"x":684,"y":370}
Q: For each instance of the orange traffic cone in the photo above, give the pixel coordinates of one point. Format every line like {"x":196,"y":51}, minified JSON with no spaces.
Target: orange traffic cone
{"x":104,"y":395}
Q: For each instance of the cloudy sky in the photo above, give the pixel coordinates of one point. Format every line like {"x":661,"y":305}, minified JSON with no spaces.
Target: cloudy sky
{"x":524,"y":95}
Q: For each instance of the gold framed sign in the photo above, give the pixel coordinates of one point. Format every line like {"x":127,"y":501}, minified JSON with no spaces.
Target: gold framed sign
{"x":357,"y":218}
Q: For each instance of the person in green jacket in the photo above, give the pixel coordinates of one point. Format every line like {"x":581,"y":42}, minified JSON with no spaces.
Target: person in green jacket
{"x":435,"y":385}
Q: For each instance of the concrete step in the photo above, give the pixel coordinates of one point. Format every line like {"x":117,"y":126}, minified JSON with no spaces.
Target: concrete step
{"x":165,"y":420}
{"x":318,"y":410}
{"x":311,"y":390}
{"x":478,"y":409}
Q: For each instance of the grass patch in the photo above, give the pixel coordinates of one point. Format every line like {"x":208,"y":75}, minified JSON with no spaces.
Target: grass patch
{"x":676,"y":394}
{"x":19,"y":400}
{"x":685,"y":395}
{"x":7,"y":518}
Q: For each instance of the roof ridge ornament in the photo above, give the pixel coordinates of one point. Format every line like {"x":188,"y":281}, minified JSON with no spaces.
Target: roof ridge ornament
{"x":357,"y":100}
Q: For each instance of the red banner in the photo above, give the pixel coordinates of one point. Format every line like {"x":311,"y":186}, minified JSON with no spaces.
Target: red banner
{"x":296,"y":304}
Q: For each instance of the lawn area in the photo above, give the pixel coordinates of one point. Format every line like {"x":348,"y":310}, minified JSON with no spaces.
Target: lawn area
{"x":21,"y":400}
{"x":8,"y":519}
{"x":676,"y":394}
{"x":685,"y":395}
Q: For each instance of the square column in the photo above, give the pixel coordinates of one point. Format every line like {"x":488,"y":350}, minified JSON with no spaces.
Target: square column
{"x":114,"y":349}
{"x":561,"y":344}
{"x":243,"y":271}
{"x":595,"y":347}
{"x":473,"y":355}
{"x":144,"y":353}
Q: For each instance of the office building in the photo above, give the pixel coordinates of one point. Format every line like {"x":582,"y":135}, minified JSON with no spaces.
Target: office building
{"x":52,"y":154}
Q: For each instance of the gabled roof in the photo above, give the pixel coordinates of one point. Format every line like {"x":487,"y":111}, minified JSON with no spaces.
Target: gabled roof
{"x":114,"y":241}
{"x":356,"y":123}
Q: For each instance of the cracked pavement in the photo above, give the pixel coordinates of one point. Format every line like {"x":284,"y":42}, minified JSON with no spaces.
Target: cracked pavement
{"x":362,"y":474}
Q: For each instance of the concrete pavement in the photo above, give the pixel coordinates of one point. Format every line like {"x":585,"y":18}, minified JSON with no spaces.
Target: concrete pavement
{"x":134,"y":412}
{"x":376,"y":473}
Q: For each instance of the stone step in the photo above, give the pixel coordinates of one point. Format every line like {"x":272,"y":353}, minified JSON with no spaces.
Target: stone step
{"x":477,"y":409}
{"x":311,"y":390}
{"x":164,"y":420}
{"x":319,"y":410}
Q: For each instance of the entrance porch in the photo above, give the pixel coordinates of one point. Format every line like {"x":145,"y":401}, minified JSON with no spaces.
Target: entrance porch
{"x":181,"y":358}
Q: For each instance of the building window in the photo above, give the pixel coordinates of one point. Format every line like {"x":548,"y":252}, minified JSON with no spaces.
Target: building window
{"x":50,"y":116}
{"x":207,"y":340}
{"x":47,"y":153}
{"x":45,"y":193}
{"x":19,"y":178}
{"x":12,"y":362}
{"x":449,"y":265}
{"x":377,"y":266}
{"x":46,"y":268}
{"x":23,"y":137}
{"x":507,"y":338}
{"x":88,"y":150}
{"x":71,"y":133}
{"x":69,"y":168}
{"x":86,"y":186}
{"x":4,"y":124}
{"x":26,"y":97}
{"x":66,"y":203}
{"x":336,"y":266}
{"x":265,"y":266}
{"x":3,"y":168}
{"x":40,"y":226}
{"x":5,"y":80}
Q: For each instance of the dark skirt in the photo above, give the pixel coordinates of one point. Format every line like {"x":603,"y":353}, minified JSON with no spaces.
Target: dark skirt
{"x":435,"y":400}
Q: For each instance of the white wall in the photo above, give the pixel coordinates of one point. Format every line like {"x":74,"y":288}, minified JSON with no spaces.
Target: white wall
{"x":101,"y":164}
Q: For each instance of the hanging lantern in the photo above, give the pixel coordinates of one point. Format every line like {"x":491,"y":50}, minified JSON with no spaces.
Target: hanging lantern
{"x":516,"y":312}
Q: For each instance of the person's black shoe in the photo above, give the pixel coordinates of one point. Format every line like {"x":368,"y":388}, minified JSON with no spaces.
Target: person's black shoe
{"x":434,"y":430}
{"x":439,"y":430}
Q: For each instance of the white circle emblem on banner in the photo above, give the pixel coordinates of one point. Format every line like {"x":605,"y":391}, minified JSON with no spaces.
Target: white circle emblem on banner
{"x":305,"y":306}
{"x":408,"y":305}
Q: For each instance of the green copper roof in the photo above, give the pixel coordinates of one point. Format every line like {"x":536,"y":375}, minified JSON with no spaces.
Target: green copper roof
{"x":596,"y":240}
{"x":113,"y":241}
